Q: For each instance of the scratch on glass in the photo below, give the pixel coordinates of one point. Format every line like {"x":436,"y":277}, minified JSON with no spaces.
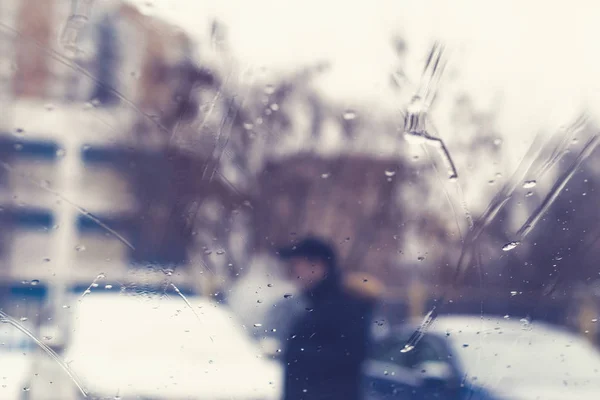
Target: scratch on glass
{"x":415,"y":119}
{"x":100,"y":276}
{"x":80,"y":15}
{"x":187,"y":302}
{"x":560,"y":184}
{"x":81,"y":210}
{"x":7,"y":319}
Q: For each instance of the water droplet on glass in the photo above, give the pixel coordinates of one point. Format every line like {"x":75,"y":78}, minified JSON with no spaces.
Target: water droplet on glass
{"x":220,"y":252}
{"x":269,"y":89}
{"x":47,"y":337}
{"x":35,"y":282}
{"x":108,"y":287}
{"x":407,"y":348}
{"x":26,"y":389}
{"x":390,"y":172}
{"x":60,"y":153}
{"x":49,"y":107}
{"x":80,"y":247}
{"x":465,"y":345}
{"x":18,"y":147}
{"x":513,"y":293}
{"x":269,"y":285}
{"x":325,"y":175}
{"x":420,"y":258}
{"x":510,"y":245}
{"x":46,"y":260}
{"x":529,"y":184}
{"x":349,"y":115}
{"x":257,"y":325}
{"x":94,"y":285}
{"x":595,"y":320}
{"x":497,"y":142}
{"x":248,"y":125}
{"x":207,"y":252}
{"x":23,"y":319}
{"x":19,"y":131}
{"x":528,"y":194}
{"x":507,"y":316}
{"x":274,"y":106}
{"x":287,"y":296}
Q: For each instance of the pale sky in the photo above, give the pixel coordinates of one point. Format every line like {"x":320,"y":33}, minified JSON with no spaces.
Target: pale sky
{"x":542,"y":53}
{"x":538,"y":57}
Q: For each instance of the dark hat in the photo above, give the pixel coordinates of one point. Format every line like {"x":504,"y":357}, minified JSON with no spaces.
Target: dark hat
{"x":312,"y":248}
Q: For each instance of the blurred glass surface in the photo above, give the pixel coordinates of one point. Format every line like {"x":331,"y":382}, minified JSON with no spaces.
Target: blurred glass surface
{"x":155,"y":156}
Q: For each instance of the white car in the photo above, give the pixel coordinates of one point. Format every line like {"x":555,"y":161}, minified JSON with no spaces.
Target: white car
{"x":16,"y":362}
{"x":484,"y":358}
{"x":157,"y":347}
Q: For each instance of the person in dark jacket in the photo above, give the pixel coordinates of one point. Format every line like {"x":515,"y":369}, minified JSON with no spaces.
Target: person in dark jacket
{"x":328,"y":341}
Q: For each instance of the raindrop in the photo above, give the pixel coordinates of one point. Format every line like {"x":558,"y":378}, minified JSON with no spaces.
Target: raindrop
{"x":46,"y":260}
{"x":274,"y":106}
{"x":35,"y":282}
{"x":510,"y":245}
{"x":465,"y":345}
{"x":309,"y":309}
{"x":207,"y":252}
{"x":60,"y":153}
{"x":513,"y":293}
{"x":220,"y":252}
{"x":595,"y":320}
{"x":248,"y":125}
{"x":497,"y":142}
{"x":421,"y":258}
{"x":47,"y":337}
{"x":94,"y":285}
{"x":25,"y":282}
{"x":507,"y":316}
{"x":108,"y":287}
{"x":528,"y":194}
{"x":325,"y":175}
{"x":390,"y":172}
{"x":20,"y":131}
{"x":23,"y":319}
{"x":269,"y":89}
{"x":257,"y":325}
{"x":80,"y":247}
{"x":287,"y":296}
{"x":349,"y":115}
{"x":26,"y":389}
{"x":269,"y":285}
{"x":529,"y":184}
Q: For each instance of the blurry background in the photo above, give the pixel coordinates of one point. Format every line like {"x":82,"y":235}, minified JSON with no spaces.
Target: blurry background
{"x":178,"y":144}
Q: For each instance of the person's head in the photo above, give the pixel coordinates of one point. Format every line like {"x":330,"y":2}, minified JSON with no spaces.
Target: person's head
{"x":310,"y":262}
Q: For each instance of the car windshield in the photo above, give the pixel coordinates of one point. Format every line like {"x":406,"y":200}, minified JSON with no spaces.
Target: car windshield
{"x":239,"y":199}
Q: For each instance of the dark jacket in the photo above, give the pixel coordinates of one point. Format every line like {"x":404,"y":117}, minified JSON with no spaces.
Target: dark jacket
{"x":328,"y":343}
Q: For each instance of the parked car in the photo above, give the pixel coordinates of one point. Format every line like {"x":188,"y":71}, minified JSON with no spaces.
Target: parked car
{"x":16,"y":361}
{"x":157,"y":347}
{"x":483,"y":358}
